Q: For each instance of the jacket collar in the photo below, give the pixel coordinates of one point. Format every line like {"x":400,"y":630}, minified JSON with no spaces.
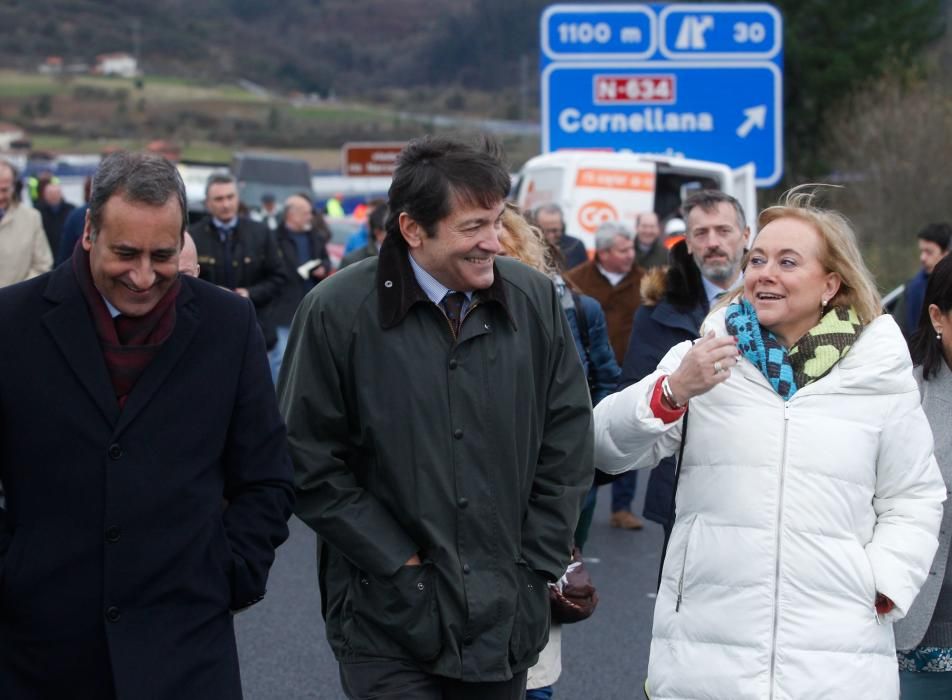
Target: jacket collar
{"x":398,"y":290}
{"x":666,"y":314}
{"x":71,"y":327}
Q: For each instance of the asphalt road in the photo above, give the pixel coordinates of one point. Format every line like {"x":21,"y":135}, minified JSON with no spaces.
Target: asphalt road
{"x":285,"y":656}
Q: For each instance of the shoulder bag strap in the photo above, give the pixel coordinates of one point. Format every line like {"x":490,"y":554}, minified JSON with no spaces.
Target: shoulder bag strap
{"x":674,"y":491}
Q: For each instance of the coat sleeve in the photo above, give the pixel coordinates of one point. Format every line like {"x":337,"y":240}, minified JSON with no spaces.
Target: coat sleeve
{"x":908,"y":504}
{"x":42,"y":258}
{"x":330,"y":500}
{"x":605,"y":370}
{"x":646,"y":346}
{"x":627,"y":433}
{"x":258,"y":481}
{"x":273,"y":275}
{"x":565,"y":467}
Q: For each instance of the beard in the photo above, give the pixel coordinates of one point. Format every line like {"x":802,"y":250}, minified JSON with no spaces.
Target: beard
{"x":717,"y":271}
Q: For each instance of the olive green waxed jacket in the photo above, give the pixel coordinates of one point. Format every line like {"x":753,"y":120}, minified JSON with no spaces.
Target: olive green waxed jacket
{"x":473,"y":452}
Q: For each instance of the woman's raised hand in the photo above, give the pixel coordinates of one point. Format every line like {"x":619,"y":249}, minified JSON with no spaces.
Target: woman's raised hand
{"x":706,"y":364}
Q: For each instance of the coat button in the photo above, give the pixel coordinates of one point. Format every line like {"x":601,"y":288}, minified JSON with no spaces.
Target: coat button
{"x":115,"y":451}
{"x":458,"y":433}
{"x":113,"y":535}
{"x":420,"y":586}
{"x":466,"y":568}
{"x":468,"y":641}
{"x":113,"y":614}
{"x":462,"y":502}
{"x":453,"y":364}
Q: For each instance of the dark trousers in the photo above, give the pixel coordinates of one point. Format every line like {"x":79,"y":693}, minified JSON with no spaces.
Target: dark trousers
{"x":623,"y":491}
{"x":389,"y":679}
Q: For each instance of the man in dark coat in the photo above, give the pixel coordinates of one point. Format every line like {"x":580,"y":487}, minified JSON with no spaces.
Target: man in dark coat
{"x":237,"y":253}
{"x":303,"y":254}
{"x":143,"y":457}
{"x":54,"y":210}
{"x":613,"y":278}
{"x":551,"y":221}
{"x":674,"y":303}
{"x":650,"y":251}
{"x":935,"y":241}
{"x":441,"y":433}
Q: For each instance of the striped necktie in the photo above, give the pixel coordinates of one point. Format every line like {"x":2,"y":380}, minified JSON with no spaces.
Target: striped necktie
{"x":453,"y":308}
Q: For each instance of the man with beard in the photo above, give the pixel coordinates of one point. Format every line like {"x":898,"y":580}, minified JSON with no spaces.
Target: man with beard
{"x":674,"y":302}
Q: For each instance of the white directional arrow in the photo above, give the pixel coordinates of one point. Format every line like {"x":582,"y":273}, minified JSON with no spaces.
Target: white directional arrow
{"x":756,"y":117}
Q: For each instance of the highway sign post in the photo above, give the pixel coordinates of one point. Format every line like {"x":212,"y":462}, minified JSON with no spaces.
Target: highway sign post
{"x":701,"y":81}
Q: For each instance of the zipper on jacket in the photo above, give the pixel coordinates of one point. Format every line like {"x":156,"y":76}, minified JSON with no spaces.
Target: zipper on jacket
{"x":776,"y":602}
{"x":684,"y":565}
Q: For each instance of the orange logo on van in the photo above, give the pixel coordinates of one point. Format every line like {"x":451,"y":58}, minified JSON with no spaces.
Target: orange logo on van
{"x":593,"y":214}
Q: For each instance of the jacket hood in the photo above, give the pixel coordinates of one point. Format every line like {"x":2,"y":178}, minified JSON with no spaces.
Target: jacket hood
{"x":654,"y":286}
{"x":878,"y":363}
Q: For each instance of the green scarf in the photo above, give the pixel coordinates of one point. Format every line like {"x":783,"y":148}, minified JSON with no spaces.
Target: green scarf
{"x":820,"y":348}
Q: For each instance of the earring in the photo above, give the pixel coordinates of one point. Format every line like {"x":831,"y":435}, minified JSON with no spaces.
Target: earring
{"x":823,"y":303}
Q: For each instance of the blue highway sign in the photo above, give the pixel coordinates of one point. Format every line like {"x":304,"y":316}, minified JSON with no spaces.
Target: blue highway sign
{"x":701,"y":81}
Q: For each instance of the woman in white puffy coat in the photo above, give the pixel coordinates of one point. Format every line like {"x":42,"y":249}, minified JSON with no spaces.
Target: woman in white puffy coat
{"x":809,"y":499}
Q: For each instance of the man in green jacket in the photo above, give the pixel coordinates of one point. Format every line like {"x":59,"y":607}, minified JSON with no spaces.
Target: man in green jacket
{"x":440,"y":428}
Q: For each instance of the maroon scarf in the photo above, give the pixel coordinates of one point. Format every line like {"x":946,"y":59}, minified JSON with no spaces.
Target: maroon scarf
{"x":129,"y":343}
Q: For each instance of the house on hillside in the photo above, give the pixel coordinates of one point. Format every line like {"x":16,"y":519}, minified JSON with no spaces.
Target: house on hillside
{"x":122,"y":64}
{"x":11,"y":137}
{"x":53,"y":65}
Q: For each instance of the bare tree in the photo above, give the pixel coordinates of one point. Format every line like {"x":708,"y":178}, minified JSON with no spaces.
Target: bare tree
{"x":890,"y":144}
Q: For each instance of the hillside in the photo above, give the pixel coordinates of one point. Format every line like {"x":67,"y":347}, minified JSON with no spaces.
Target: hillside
{"x":342,"y":47}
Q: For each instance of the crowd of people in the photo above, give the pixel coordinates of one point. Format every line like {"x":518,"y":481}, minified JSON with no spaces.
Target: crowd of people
{"x":441,"y":410}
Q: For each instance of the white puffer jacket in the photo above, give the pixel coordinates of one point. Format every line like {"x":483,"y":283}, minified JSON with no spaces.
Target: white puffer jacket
{"x":790,"y":517}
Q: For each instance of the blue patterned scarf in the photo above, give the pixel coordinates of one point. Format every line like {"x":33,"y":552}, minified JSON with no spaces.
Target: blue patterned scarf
{"x":809,"y":359}
{"x":761,"y":347}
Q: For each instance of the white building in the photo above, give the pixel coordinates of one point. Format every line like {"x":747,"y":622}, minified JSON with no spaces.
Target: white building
{"x":121,"y":64}
{"x":10,"y":134}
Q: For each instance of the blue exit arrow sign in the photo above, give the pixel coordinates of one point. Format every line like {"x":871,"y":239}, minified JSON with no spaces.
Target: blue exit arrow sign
{"x":700,"y":80}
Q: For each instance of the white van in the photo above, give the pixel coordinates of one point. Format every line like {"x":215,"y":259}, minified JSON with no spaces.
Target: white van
{"x":597,"y":186}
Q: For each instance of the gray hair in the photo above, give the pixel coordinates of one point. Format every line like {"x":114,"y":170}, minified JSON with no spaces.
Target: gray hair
{"x":606,"y":233}
{"x":144,"y":178}
{"x":708,"y":201}
{"x":550,"y":208}
{"x":218,"y":179}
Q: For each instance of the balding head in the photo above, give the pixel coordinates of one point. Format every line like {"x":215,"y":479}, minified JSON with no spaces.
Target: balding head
{"x":647,"y":229}
{"x":188,"y":258}
{"x":298,"y":214}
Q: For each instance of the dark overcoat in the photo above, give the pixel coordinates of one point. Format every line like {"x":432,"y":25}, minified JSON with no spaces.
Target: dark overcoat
{"x":474,"y":451}
{"x":129,"y":536}
{"x":256,"y":265}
